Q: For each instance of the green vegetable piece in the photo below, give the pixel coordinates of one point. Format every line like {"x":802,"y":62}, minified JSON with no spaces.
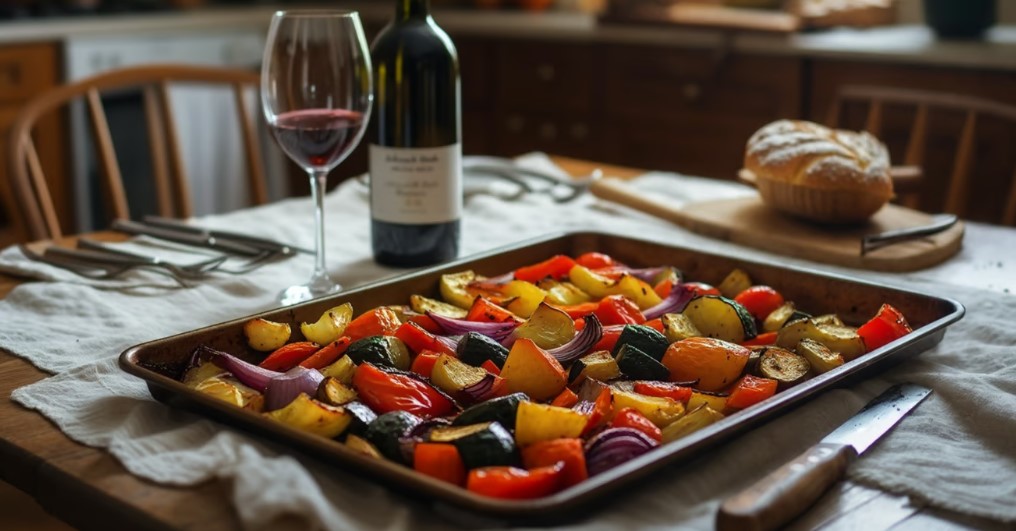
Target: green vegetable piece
{"x":641,"y":366}
{"x":644,"y":338}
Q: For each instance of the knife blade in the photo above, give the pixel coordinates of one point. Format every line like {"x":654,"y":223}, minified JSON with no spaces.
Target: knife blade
{"x":784,"y":493}
{"x":197,"y":240}
{"x":246,"y":239}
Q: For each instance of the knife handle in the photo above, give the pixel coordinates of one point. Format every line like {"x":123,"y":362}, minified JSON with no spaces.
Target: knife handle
{"x":787,"y":491}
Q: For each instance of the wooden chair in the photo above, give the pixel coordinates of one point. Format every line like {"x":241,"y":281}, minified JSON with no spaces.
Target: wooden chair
{"x":39,"y":217}
{"x":979,"y":136}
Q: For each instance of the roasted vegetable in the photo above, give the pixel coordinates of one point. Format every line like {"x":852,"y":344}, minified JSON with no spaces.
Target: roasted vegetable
{"x":548,"y":327}
{"x":421,"y":304}
{"x":599,"y":365}
{"x":475,"y":348}
{"x":786,"y":313}
{"x":485,"y":444}
{"x":452,"y":376}
{"x":844,"y":340}
{"x":453,"y":289}
{"x":783,"y":366}
{"x":231,"y":391}
{"x":661,"y":411}
{"x":309,"y":415}
{"x":502,"y":410}
{"x":735,"y":282}
{"x":643,"y":338}
{"x":329,"y":326}
{"x":342,"y":370}
{"x":695,"y":420}
{"x":533,"y":371}
{"x":384,"y":351}
{"x":563,"y":293}
{"x":636,"y":364}
{"x":265,"y":335}
{"x":721,"y":318}
{"x":677,"y":326}
{"x":386,"y":430}
{"x":540,"y":422}
{"x":526,"y":297}
{"x":714,"y":363}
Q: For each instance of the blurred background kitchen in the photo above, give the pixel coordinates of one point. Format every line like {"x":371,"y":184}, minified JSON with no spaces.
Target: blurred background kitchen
{"x":660,"y":84}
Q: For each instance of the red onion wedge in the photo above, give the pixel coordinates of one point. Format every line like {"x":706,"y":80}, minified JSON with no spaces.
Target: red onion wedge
{"x":614,"y":446}
{"x":251,"y":375}
{"x":581,"y":343}
{"x":284,"y":388}
{"x":451,"y":326}
{"x":674,"y":303}
{"x":485,"y":389}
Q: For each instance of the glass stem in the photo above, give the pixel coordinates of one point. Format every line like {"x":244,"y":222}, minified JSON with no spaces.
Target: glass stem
{"x":318,"y":180}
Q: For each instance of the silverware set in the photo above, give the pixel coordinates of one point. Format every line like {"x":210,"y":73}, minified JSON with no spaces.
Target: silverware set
{"x":234,"y":253}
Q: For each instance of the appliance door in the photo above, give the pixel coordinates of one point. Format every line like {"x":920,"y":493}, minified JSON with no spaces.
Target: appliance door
{"x":205,"y":117}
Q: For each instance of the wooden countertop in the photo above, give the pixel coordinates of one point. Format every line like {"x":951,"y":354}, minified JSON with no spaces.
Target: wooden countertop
{"x":89,"y":489}
{"x":913,"y":44}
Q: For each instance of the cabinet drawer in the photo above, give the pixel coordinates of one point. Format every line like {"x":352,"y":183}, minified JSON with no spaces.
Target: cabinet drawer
{"x":544,"y":76}
{"x":550,"y":132}
{"x":667,"y":86}
{"x":26,"y":70}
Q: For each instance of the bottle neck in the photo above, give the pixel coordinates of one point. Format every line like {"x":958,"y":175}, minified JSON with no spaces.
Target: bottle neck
{"x":412,"y":9}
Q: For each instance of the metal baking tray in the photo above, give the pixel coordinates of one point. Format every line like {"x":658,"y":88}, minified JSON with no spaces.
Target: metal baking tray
{"x":160,"y":362}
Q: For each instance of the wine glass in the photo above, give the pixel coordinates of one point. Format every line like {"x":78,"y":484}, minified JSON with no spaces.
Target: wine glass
{"x":316,"y":92}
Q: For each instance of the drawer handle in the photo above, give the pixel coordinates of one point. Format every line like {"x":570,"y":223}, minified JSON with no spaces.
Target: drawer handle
{"x":546,"y":72}
{"x":692,"y":92}
{"x":515,"y":123}
{"x":548,"y":131}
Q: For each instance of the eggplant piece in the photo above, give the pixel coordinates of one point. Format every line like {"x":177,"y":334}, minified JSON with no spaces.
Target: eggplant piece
{"x":636,"y":364}
{"x":784,"y":366}
{"x":502,"y":410}
{"x":362,"y":414}
{"x":485,"y":444}
{"x":475,"y":348}
{"x":645,"y":339}
{"x":386,"y":431}
{"x":382,"y":351}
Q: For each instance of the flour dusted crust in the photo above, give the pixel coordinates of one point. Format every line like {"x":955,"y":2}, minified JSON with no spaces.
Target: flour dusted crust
{"x":818,"y":173}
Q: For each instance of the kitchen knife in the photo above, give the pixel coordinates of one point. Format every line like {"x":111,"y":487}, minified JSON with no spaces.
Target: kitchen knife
{"x":253,"y":241}
{"x":197,"y":240}
{"x":786,"y":492}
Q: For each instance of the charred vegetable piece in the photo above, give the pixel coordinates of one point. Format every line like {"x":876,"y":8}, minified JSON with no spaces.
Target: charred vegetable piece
{"x":231,"y":391}
{"x":533,"y":371}
{"x":638,"y":365}
{"x":422,"y":305}
{"x":844,"y":340}
{"x":309,"y":415}
{"x":540,"y":422}
{"x":386,"y":430}
{"x":514,"y":483}
{"x":329,"y":326}
{"x":342,"y":370}
{"x":502,"y":410}
{"x":334,"y":393}
{"x":690,"y":423}
{"x":563,"y":293}
{"x":599,"y":365}
{"x":829,"y":319}
{"x":526,"y":297}
{"x":569,"y":451}
{"x":735,"y":282}
{"x":661,"y":411}
{"x":453,"y":289}
{"x":265,"y":335}
{"x":786,"y":313}
{"x":484,"y":444}
{"x":548,"y":327}
{"x":452,"y":376}
{"x":721,"y":318}
{"x":888,"y":325}
{"x":644,"y":338}
{"x":784,"y":366}
{"x":714,"y":363}
{"x":717,"y":401}
{"x":386,"y":391}
{"x":384,"y":351}
{"x":615,"y":446}
{"x":362,"y":446}
{"x":363,"y":416}
{"x":818,"y":355}
{"x":200,"y":372}
{"x":750,"y":390}
{"x":475,"y":348}
{"x":677,"y":326}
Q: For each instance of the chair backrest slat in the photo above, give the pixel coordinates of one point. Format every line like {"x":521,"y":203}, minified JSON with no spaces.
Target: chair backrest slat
{"x":960,"y":176}
{"x":107,"y":156}
{"x":255,"y":169}
{"x":36,"y":215}
{"x":157,"y":145}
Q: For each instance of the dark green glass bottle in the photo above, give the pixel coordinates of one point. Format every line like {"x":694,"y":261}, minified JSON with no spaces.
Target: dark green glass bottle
{"x":416,"y":144}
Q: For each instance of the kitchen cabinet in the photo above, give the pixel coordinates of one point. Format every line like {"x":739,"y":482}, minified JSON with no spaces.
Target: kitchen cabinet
{"x":25,"y":71}
{"x":994,"y":157}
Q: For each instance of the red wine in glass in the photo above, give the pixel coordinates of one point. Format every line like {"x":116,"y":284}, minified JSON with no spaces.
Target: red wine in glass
{"x":317,"y":137}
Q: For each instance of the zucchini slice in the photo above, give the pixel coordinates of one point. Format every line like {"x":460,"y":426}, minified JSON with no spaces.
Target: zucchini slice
{"x":781,"y":316}
{"x":644,"y":338}
{"x":421,"y":304}
{"x":484,"y":444}
{"x":784,"y":366}
{"x":383,"y":351}
{"x":501,"y":410}
{"x":475,"y":348}
{"x":842,"y":339}
{"x":721,"y":318}
{"x":640,"y":366}
{"x":819,"y":356}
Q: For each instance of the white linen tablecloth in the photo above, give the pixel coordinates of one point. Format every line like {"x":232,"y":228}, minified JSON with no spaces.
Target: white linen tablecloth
{"x":940,"y":454}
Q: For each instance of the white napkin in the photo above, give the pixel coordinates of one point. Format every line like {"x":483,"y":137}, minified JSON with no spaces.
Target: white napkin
{"x":75,"y":331}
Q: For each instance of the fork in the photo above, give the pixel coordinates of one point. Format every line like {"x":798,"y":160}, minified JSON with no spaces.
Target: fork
{"x":91,"y":270}
{"x":214,"y":264}
{"x":99,"y":251}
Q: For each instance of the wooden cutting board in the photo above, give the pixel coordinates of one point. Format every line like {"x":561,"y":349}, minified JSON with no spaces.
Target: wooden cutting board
{"x":748,"y":221}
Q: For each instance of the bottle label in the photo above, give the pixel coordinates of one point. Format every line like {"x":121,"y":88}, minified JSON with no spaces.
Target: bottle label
{"x":416,"y":185}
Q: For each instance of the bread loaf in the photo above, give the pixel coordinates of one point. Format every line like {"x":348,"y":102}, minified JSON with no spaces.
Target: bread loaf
{"x":822,"y":174}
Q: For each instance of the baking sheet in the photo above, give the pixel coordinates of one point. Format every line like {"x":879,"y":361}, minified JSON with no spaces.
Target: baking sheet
{"x":160,"y":362}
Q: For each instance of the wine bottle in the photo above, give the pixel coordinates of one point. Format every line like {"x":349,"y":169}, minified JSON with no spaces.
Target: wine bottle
{"x":416,"y":145}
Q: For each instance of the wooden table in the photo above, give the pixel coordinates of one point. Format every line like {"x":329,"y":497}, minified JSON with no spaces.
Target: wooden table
{"x":89,"y":489}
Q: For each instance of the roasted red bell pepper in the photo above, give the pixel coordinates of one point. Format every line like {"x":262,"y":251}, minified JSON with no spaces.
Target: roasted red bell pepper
{"x":680,"y":393}
{"x":484,"y":310}
{"x":327,"y":354}
{"x":423,"y":363}
{"x":556,"y":267}
{"x":491,"y":367}
{"x":759,"y":300}
{"x":419,"y":340}
{"x":888,"y":325}
{"x":750,"y":390}
{"x":515,"y":483}
{"x":702,"y":289}
{"x":386,"y":391}
{"x":577,"y":311}
{"x":425,"y":322}
{"x":608,"y":339}
{"x":568,"y":451}
{"x":381,"y":321}
{"x":288,"y":356}
{"x":441,"y":461}
{"x":618,"y":309}
{"x":566,"y":398}
{"x":596,"y":261}
{"x":598,"y":411}
{"x":630,"y":417}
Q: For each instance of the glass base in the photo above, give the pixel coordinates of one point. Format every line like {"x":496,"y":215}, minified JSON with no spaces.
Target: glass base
{"x":317,"y":287}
